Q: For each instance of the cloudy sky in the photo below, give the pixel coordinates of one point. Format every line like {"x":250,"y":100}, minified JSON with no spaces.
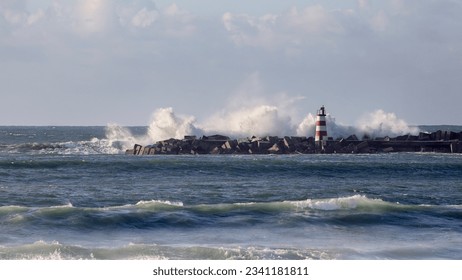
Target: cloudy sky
{"x":94,"y":62}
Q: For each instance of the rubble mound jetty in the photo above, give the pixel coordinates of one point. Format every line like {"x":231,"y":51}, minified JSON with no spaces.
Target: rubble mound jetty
{"x":438,"y":142}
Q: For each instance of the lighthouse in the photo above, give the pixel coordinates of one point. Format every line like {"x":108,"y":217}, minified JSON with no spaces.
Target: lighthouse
{"x":321,"y":128}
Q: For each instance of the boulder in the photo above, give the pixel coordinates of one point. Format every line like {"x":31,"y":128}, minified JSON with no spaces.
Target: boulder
{"x":230,"y":145}
{"x":388,"y":150}
{"x":289,"y":144}
{"x":424,"y":136}
{"x":271,"y":139}
{"x":352,"y":138}
{"x":215,"y":137}
{"x":455,"y":136}
{"x":275,"y":149}
{"x":137,"y":149}
{"x":146,"y":150}
{"x":263,"y":145}
{"x":216,"y":151}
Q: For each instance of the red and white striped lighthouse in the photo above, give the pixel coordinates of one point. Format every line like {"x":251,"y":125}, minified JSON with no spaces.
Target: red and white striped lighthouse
{"x":321,"y":128}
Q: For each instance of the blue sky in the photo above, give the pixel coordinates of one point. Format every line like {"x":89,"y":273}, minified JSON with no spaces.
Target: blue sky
{"x":98,"y":62}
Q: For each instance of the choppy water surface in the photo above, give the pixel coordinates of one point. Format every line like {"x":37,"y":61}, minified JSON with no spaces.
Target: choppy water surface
{"x":69,"y":193}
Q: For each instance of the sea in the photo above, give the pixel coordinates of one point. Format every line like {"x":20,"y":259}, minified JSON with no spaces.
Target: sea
{"x":70,"y":193}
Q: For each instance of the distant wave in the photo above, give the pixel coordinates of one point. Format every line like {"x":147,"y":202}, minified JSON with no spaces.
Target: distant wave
{"x":93,"y":146}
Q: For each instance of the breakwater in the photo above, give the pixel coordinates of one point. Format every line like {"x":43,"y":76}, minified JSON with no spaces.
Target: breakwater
{"x":439,"y":141}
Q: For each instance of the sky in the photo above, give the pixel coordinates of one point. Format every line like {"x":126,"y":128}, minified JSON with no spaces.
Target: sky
{"x":95,"y":62}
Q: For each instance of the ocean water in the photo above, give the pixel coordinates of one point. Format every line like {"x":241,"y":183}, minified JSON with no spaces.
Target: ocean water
{"x":71,"y":193}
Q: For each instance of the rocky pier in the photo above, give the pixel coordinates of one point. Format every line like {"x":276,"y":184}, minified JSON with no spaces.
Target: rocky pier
{"x":438,"y":142}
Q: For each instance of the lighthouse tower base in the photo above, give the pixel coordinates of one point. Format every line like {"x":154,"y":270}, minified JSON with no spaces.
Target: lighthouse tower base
{"x":325,"y":146}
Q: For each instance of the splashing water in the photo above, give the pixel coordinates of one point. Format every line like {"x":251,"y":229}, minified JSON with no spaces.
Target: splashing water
{"x":121,"y":138}
{"x":165,"y":124}
{"x":259,"y":120}
{"x":380,"y":123}
{"x":308,"y":126}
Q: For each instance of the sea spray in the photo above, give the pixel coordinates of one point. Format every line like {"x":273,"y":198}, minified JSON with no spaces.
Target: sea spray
{"x":335,"y":130}
{"x":122,"y":138}
{"x":264,"y":120}
{"x":166,"y":124}
{"x":381,"y":123}
{"x":258,"y":120}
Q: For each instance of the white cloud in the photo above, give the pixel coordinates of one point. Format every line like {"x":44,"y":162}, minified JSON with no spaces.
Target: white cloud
{"x":13,"y":17}
{"x":271,"y":31}
{"x":178,"y":22}
{"x":174,"y":10}
{"x":17,"y":17}
{"x":35,"y":17}
{"x":313,"y":20}
{"x":145,"y":17}
{"x":380,"y":21}
{"x":398,"y":5}
{"x":94,"y":16}
{"x":248,"y":30}
{"x":354,"y":54}
{"x":95,"y":20}
{"x":363,"y":4}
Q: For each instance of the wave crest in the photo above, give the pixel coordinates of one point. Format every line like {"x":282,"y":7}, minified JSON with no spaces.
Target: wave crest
{"x":341,"y":203}
{"x":149,"y":203}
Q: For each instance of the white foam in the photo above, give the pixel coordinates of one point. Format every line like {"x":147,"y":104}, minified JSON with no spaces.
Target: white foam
{"x":120,"y":138}
{"x":67,"y":205}
{"x":165,"y":202}
{"x":329,"y":204}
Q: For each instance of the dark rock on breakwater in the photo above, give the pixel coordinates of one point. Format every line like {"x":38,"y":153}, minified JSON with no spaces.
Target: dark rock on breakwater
{"x":439,"y":141}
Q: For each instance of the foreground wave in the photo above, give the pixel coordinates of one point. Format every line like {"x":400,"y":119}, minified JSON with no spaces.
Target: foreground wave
{"x":42,"y":250}
{"x":356,"y":209}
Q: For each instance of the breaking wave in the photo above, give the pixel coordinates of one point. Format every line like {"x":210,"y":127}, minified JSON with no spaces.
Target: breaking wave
{"x":119,"y":214}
